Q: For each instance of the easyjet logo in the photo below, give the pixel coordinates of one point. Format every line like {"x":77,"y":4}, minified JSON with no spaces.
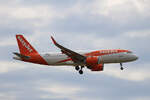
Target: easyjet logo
{"x":108,"y":51}
{"x":27,"y":46}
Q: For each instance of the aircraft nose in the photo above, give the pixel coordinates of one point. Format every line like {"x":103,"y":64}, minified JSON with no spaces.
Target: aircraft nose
{"x":135,"y":57}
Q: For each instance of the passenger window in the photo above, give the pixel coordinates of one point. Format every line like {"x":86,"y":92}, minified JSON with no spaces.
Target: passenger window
{"x":129,"y":52}
{"x":47,"y":54}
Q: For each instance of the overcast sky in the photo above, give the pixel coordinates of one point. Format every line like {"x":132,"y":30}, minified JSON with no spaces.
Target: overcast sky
{"x":78,"y":25}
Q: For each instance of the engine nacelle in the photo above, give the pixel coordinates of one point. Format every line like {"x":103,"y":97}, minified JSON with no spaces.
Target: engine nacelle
{"x":98,"y":67}
{"x":91,"y":61}
{"x":94,"y":63}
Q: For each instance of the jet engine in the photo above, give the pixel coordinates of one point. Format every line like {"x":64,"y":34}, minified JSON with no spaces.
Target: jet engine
{"x":94,"y":63}
{"x":98,"y":67}
{"x":94,"y":60}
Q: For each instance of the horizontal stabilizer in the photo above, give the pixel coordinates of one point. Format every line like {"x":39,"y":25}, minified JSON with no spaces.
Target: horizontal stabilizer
{"x":21,"y":56}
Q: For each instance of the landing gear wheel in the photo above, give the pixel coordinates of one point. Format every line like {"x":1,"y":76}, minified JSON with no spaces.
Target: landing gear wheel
{"x":77,"y":68}
{"x":121,"y":68}
{"x":80,"y":72}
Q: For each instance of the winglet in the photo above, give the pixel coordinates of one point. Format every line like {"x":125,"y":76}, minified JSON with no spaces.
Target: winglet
{"x":53,"y":40}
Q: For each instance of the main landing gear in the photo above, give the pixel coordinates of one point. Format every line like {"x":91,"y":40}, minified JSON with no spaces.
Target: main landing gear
{"x":79,"y":69}
{"x":121,"y":66}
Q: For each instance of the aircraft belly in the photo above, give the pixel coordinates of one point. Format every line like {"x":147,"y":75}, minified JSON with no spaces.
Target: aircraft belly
{"x":57,"y":60}
{"x":66,"y":63}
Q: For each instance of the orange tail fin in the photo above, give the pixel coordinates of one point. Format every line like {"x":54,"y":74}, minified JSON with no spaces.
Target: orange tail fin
{"x":24,"y":46}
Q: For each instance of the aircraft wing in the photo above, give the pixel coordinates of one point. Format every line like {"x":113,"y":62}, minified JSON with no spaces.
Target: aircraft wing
{"x":76,"y":57}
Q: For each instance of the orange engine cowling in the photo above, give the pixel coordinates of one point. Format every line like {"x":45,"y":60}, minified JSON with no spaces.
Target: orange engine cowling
{"x":98,"y":67}
{"x":94,"y":63}
{"x":90,"y":61}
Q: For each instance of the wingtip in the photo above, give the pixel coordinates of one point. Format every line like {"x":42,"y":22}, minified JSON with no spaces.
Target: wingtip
{"x":19,"y":35}
{"x":53,"y":40}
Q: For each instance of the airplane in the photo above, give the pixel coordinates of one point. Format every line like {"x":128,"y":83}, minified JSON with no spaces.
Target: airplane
{"x":93,"y":60}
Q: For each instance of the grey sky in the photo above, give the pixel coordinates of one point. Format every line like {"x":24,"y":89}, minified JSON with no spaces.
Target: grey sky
{"x":79,"y":25}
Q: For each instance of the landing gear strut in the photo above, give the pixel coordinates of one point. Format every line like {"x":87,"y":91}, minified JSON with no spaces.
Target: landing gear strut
{"x":81,"y":71}
{"x":121,"y":66}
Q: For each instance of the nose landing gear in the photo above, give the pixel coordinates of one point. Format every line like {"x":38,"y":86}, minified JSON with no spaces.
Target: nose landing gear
{"x":121,"y":66}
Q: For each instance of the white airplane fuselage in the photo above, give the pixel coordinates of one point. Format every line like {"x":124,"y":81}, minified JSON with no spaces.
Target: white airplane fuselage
{"x":56,"y":59}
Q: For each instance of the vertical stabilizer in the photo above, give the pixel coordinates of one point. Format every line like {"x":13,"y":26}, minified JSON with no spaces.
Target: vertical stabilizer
{"x":24,"y":46}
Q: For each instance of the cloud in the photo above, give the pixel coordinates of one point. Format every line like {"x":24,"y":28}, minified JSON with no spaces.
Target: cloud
{"x":5,"y":66}
{"x":139,"y":34}
{"x":132,"y":72}
{"x":59,"y":90}
{"x":7,"y":42}
{"x":78,"y":25}
{"x":6,"y":97}
{"x":140,"y":74}
{"x":127,"y":8}
{"x":45,"y":83}
{"x":143,"y":98}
